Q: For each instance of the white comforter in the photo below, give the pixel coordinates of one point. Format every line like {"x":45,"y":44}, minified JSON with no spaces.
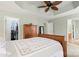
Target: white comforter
{"x":34,"y":47}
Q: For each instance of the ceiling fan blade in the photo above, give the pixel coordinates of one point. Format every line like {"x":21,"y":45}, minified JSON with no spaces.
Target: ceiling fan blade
{"x":47,"y":2}
{"x":54,"y":8}
{"x":46,"y":9}
{"x":42,"y":6}
{"x":56,"y":2}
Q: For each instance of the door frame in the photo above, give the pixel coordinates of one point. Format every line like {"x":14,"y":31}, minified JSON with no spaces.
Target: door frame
{"x":6,"y":34}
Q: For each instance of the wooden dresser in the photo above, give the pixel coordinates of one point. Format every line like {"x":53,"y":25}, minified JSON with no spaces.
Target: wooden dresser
{"x":29,"y":31}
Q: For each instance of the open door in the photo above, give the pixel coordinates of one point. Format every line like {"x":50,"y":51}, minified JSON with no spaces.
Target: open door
{"x":11,"y":28}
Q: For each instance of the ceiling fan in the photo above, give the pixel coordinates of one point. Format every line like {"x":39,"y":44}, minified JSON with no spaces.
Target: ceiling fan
{"x":52,"y":5}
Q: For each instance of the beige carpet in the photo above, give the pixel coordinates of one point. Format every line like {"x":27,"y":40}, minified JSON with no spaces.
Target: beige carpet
{"x":72,"y":50}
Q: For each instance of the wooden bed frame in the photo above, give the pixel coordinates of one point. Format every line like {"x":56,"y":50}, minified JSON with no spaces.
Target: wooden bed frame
{"x":57,"y":38}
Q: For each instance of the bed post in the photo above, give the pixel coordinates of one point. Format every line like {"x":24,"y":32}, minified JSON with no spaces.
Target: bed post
{"x":57,"y":38}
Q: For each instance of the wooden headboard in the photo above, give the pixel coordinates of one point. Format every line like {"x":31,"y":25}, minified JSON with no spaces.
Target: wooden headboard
{"x":57,"y":38}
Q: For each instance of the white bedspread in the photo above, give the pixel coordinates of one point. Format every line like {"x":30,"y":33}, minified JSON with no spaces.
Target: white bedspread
{"x":33,"y":47}
{"x":33,"y":44}
{"x":36,"y":47}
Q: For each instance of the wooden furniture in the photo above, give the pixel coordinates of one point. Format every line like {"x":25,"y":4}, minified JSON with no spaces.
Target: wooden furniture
{"x":57,"y":38}
{"x":29,"y":31}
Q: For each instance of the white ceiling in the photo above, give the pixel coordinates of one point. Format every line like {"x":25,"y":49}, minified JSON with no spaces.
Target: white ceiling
{"x":33,"y":7}
{"x":30,"y":7}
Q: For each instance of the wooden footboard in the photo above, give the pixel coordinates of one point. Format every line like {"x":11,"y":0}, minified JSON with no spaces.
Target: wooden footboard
{"x":57,"y":38}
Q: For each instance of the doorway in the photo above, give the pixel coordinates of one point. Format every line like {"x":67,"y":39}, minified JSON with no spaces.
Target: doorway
{"x":12,"y":28}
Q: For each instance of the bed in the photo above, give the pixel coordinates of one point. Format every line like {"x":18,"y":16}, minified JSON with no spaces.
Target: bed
{"x":41,"y":46}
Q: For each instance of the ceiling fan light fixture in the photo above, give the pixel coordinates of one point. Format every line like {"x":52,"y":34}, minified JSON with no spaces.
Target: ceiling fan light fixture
{"x":51,"y":5}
